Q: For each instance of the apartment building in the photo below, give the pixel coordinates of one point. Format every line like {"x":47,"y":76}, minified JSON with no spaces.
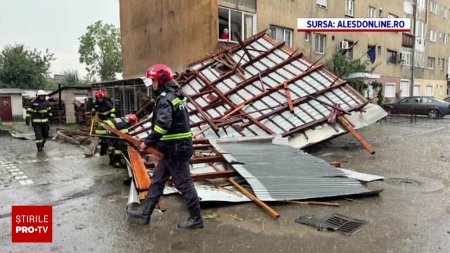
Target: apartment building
{"x":190,"y":29}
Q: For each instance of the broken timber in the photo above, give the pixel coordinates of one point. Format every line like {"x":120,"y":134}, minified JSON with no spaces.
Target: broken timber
{"x":133,"y":141}
{"x":344,"y":122}
{"x":268,"y":209}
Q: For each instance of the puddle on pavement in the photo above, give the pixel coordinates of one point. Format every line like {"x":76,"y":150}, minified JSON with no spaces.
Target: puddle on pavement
{"x":415,"y":183}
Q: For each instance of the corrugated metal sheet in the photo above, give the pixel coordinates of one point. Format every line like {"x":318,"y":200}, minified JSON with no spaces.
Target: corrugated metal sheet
{"x":278,"y":173}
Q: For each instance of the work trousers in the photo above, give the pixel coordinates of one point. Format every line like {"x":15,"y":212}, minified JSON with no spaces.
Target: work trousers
{"x":179,"y":170}
{"x":41,"y":133}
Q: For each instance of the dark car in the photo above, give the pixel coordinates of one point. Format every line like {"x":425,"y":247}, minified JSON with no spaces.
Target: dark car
{"x":419,"y":105}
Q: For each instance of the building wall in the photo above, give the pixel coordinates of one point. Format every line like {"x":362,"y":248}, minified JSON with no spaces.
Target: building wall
{"x":68,"y":97}
{"x":16,"y":104}
{"x":139,"y":24}
{"x":439,"y":87}
{"x":174,"y":32}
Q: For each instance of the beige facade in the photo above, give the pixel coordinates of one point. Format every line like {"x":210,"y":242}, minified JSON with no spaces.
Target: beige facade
{"x":173,"y":32}
{"x":393,"y":57}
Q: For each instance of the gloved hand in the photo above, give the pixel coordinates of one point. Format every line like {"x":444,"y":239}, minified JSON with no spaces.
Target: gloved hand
{"x":143,"y":146}
{"x":27,"y":121}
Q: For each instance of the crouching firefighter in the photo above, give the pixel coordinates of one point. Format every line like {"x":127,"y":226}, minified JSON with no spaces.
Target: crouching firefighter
{"x":39,"y":113}
{"x":170,"y":135}
{"x":116,"y":147}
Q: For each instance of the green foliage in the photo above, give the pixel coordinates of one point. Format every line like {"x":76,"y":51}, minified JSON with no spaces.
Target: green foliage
{"x":24,"y":68}
{"x":341,"y":65}
{"x":100,"y":50}
{"x":379,"y":87}
{"x":72,"y":78}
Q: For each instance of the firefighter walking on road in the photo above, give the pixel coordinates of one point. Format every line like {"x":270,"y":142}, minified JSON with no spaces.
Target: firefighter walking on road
{"x":171,"y":135}
{"x":39,"y":114}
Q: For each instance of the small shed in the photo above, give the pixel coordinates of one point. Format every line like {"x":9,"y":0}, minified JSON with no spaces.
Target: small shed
{"x":10,"y":104}
{"x":128,"y":95}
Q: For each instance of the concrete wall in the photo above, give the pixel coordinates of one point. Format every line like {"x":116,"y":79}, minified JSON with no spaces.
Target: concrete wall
{"x":68,"y":96}
{"x":173,"y":32}
{"x":16,"y":104}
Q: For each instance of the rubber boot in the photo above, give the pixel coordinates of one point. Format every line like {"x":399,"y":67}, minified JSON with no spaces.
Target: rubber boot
{"x":39,"y":146}
{"x":143,"y":214}
{"x":193,"y":222}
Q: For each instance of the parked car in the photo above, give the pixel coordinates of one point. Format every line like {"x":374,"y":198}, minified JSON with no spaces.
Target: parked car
{"x":420,"y":105}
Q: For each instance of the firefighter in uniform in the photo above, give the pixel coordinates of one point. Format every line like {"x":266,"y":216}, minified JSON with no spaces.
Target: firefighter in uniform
{"x":171,"y":135}
{"x":105,"y":110}
{"x":117,"y":147}
{"x":39,"y":114}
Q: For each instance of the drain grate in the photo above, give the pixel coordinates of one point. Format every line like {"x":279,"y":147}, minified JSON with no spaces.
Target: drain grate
{"x":336,"y":222}
{"x":343,"y":224}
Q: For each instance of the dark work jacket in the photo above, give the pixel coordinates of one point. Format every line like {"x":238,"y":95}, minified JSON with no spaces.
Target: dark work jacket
{"x":104,"y":109}
{"x":170,"y":123}
{"x":117,"y":123}
{"x":39,"y":112}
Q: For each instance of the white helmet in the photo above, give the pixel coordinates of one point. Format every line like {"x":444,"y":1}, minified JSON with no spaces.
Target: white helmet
{"x":41,"y":93}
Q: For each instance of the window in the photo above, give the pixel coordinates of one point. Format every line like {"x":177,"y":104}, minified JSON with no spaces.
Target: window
{"x":404,"y":85}
{"x":235,"y":21}
{"x":444,"y":38}
{"x":430,"y":62}
{"x":421,"y":4}
{"x":442,"y":63}
{"x":416,"y":90}
{"x":429,"y":90}
{"x":390,"y":15}
{"x":391,"y":56}
{"x":349,"y":7}
{"x":418,"y":59}
{"x":307,"y":36}
{"x":433,"y":35}
{"x":347,"y":51}
{"x":389,"y":90}
{"x":406,"y":58}
{"x":322,"y":3}
{"x":372,"y":12}
{"x":445,"y":10}
{"x":420,"y":29}
{"x":282,"y":34}
{"x":371,"y":53}
{"x":433,"y":7}
{"x":320,"y":43}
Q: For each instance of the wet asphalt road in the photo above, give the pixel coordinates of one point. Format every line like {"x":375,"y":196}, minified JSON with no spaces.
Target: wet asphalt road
{"x":88,"y":199}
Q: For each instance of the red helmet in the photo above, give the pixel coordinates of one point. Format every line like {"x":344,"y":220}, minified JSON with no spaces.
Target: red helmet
{"x":132,"y":119}
{"x":160,"y":72}
{"x":100,"y":94}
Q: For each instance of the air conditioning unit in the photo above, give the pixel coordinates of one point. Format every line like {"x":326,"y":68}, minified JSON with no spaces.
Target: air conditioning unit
{"x":344,"y":44}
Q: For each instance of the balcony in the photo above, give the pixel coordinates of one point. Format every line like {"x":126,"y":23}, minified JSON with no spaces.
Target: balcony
{"x":407,"y":40}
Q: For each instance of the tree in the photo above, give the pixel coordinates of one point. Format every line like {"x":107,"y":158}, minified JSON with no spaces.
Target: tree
{"x":72,"y":78}
{"x":342,"y":66}
{"x":100,"y":50}
{"x":24,"y":68}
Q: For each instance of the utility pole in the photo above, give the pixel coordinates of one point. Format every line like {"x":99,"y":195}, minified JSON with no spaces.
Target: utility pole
{"x":413,"y":61}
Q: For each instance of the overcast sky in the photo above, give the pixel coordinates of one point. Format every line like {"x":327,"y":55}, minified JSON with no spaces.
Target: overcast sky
{"x":54,"y":24}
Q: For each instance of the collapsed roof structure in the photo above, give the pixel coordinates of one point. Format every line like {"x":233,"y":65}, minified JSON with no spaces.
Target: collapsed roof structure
{"x":262,"y":89}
